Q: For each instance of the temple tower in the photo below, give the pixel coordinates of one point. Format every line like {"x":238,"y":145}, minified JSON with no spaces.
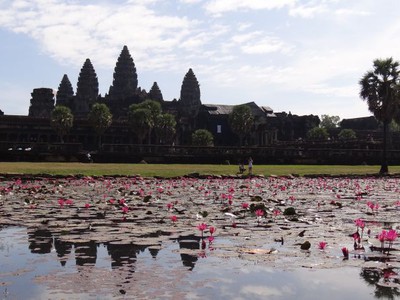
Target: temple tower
{"x":125,"y":80}
{"x":42,"y":103}
{"x":188,"y":107}
{"x":189,"y":103}
{"x":65,"y":93}
{"x":87,"y":90}
{"x":155,"y":93}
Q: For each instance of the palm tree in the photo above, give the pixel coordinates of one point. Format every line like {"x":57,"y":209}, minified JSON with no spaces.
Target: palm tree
{"x":61,"y":120}
{"x":202,"y":137}
{"x":241,"y":121}
{"x":165,"y":128}
{"x":140,"y":121}
{"x":380,"y":88}
{"x":100,"y":118}
{"x":154,"y":110}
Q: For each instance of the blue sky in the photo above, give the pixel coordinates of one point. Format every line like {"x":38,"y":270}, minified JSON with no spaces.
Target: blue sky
{"x":305,"y":57}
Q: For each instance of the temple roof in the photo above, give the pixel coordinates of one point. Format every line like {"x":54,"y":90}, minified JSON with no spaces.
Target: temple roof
{"x":222,"y":109}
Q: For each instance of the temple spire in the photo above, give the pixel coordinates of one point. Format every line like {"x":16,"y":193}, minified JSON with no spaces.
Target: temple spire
{"x":65,"y":92}
{"x":88,"y":89}
{"x":155,"y":93}
{"x":125,"y":80}
{"x":190,"y":102}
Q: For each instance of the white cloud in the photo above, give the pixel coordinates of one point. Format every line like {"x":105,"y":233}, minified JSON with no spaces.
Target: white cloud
{"x":190,"y":1}
{"x":67,"y":33}
{"x":307,"y":11}
{"x":265,"y":45}
{"x":217,"y":7}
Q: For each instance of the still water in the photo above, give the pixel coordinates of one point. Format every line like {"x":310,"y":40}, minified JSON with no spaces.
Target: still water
{"x":45,"y":269}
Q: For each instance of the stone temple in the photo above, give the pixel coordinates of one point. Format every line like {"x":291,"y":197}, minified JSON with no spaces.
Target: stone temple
{"x":34,"y":131}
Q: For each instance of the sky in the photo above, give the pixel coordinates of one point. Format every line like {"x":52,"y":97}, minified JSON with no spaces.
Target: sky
{"x":299,"y":56}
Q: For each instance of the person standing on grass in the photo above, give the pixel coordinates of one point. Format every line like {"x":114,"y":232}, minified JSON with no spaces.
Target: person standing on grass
{"x":250,"y":166}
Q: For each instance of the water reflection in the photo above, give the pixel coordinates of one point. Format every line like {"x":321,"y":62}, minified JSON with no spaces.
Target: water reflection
{"x":123,"y":254}
{"x":85,"y":253}
{"x":63,"y":250}
{"x":215,"y":277}
{"x":385,"y":280}
{"x":40,"y":241}
{"x":192,"y":243}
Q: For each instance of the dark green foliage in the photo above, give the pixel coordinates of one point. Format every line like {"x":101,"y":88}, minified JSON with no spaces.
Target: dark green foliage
{"x":202,"y":137}
{"x":347,"y":134}
{"x":381,"y":89}
{"x":61,"y":120}
{"x":256,"y":199}
{"x":165,"y":128}
{"x":241,"y":120}
{"x":142,"y":118}
{"x":317,"y":134}
{"x":204,"y":214}
{"x":329,"y":122}
{"x":100,"y":118}
{"x":290,"y":211}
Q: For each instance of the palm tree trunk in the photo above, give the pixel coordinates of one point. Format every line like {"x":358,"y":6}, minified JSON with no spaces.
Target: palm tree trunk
{"x":384,"y":165}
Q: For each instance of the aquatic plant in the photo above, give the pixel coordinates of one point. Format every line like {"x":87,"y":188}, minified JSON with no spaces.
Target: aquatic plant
{"x":322,"y":245}
{"x":202,"y":227}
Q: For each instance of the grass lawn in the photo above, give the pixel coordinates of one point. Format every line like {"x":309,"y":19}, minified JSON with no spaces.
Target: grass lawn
{"x":171,"y":170}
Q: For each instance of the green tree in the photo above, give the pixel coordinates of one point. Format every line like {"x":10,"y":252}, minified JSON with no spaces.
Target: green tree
{"x":61,"y":120}
{"x":380,"y":88}
{"x":329,"y":122}
{"x":165,"y":128}
{"x":202,"y":137}
{"x":100,"y":118}
{"x":318,"y":134}
{"x":139,"y":120}
{"x":241,"y":120}
{"x":154,"y":110}
{"x":347,"y":134}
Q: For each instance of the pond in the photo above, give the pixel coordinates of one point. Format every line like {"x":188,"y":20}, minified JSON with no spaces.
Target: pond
{"x":216,"y":238}
{"x":103,"y":271}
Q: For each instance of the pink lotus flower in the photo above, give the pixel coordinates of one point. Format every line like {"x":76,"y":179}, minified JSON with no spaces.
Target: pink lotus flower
{"x":277,"y":212}
{"x":112,"y":201}
{"x":69,"y":202}
{"x":202,"y":227}
{"x":212,"y":230}
{"x":87,"y":205}
{"x":61,"y":202}
{"x":125,"y":209}
{"x":391,"y":235}
{"x":359,"y":223}
{"x":170,"y":205}
{"x":174,"y":218}
{"x":210,"y":239}
{"x":382,"y":236}
{"x":245,"y":205}
{"x":322,"y":245}
{"x":259,"y":213}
